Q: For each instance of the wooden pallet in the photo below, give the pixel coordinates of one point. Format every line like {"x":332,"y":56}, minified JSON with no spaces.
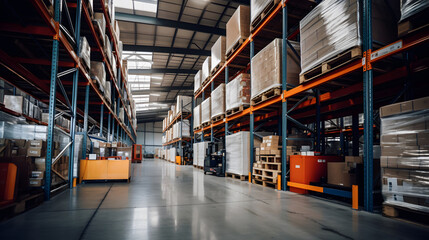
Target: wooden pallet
{"x":267,"y":95}
{"x":272,"y":165}
{"x":266,"y":174}
{"x":264,"y":183}
{"x":413,"y":23}
{"x":407,"y":214}
{"x":206,"y":81}
{"x":237,"y":176}
{"x":215,"y":69}
{"x":261,"y":17}
{"x":205,"y":124}
{"x":235,"y":110}
{"x":235,"y":47}
{"x":270,"y":158}
{"x":197,"y":128}
{"x":331,"y":64}
{"x":218,"y":118}
{"x":20,"y":206}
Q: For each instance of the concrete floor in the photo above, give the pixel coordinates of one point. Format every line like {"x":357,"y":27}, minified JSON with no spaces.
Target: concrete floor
{"x":165,"y":201}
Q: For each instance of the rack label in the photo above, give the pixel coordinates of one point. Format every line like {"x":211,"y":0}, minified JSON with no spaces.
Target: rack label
{"x":386,"y":50}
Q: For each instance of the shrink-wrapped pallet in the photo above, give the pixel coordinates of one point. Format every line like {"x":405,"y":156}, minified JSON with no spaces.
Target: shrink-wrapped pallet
{"x":257,"y":6}
{"x":238,"y":153}
{"x":218,"y":101}
{"x":108,"y":91}
{"x":172,"y":155}
{"x":85,"y":52}
{"x":107,"y":48}
{"x":100,"y":23}
{"x":183,"y":104}
{"x":405,"y":154}
{"x":202,"y":153}
{"x":218,"y":53}
{"x":334,"y":26}
{"x":412,"y":7}
{"x":197,"y":116}
{"x":206,"y":111}
{"x":195,"y":154}
{"x":266,"y":71}
{"x":98,"y":73}
{"x":238,"y":92}
{"x":238,"y":27}
{"x":185,"y":129}
{"x":197,"y":81}
{"x":173,"y":111}
{"x":206,"y":68}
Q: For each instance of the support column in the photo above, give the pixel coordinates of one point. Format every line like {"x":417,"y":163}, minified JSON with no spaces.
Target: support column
{"x":85,"y":122}
{"x":101,"y":119}
{"x":108,"y":127}
{"x":355,"y":129}
{"x":318,"y":139}
{"x":284,"y":102}
{"x":252,"y":121}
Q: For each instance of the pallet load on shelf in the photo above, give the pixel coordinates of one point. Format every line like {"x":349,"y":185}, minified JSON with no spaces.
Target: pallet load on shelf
{"x":405,"y":152}
{"x":185,"y":129}
{"x":17,"y":104}
{"x":108,"y":91}
{"x":205,"y":71}
{"x":266,"y":79}
{"x":172,"y":155}
{"x":120,"y":50}
{"x":218,"y":54}
{"x":100,"y":24}
{"x":85,"y":52}
{"x":202,"y":146}
{"x":195,"y":154}
{"x":413,"y":16}
{"x":238,"y":154}
{"x":206,"y":112}
{"x":115,"y":70}
{"x":197,"y":117}
{"x":121,"y":114}
{"x":197,"y":81}
{"x":268,"y":161}
{"x":164,"y":123}
{"x":107,"y":48}
{"x":173,"y":112}
{"x":237,"y":94}
{"x":342,"y":173}
{"x":98,"y":74}
{"x":237,"y":29}
{"x":183,"y":104}
{"x":218,"y":103}
{"x":259,"y":9}
{"x":331,"y":34}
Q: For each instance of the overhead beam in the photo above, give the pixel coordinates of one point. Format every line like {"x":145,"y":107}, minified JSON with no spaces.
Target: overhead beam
{"x":168,"y":23}
{"x":160,"y":70}
{"x":172,"y":50}
{"x":160,"y":89}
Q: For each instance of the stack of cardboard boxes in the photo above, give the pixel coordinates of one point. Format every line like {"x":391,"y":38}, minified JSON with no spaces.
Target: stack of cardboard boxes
{"x":268,"y":163}
{"x":405,"y":153}
{"x":343,"y":173}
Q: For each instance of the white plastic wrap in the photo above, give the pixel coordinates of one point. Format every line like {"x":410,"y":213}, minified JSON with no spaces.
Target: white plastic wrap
{"x":172,"y":155}
{"x":238,"y":153}
{"x":195,"y":154}
{"x":218,"y":52}
{"x":185,"y":129}
{"x":333,"y":27}
{"x":238,"y":92}
{"x":218,"y":101}
{"x":197,"y":116}
{"x":238,"y":27}
{"x":99,"y":18}
{"x":405,"y":156}
{"x":206,"y":69}
{"x":267,"y":76}
{"x":257,"y":6}
{"x":197,"y":81}
{"x":206,"y":111}
{"x":183,"y":104}
{"x":412,"y":7}
{"x":107,"y":48}
{"x":173,"y":111}
{"x":98,"y":73}
{"x":202,"y":146}
{"x":107,"y":91}
{"x":85,"y":52}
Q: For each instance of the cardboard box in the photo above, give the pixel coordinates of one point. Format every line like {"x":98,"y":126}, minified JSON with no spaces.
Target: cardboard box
{"x":36,"y":143}
{"x":34,"y":152}
{"x":40,"y":164}
{"x":92,"y":157}
{"x":37,"y":174}
{"x":337,"y":175}
{"x":35,"y":182}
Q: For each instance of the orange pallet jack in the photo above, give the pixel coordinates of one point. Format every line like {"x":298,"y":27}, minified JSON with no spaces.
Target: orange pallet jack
{"x":137,"y":153}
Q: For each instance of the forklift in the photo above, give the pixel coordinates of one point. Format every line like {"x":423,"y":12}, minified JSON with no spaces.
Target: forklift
{"x":214,"y":160}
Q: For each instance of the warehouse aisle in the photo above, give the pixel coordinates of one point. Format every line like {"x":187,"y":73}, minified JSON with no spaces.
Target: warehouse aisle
{"x":165,"y":201}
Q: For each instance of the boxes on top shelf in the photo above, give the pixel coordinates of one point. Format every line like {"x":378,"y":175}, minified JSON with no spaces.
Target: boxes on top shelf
{"x":259,"y":6}
{"x":197,"y":81}
{"x":404,"y":107}
{"x":218,"y":53}
{"x":183,"y":104}
{"x":237,"y":28}
{"x":218,"y":101}
{"x":206,"y":69}
{"x":334,"y":27}
{"x":238,"y":92}
{"x":268,"y":76}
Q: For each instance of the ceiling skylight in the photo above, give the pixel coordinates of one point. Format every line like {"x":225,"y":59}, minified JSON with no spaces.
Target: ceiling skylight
{"x":139,"y":7}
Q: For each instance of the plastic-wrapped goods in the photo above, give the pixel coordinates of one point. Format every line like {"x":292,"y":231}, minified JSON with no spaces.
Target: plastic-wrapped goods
{"x":197,"y":81}
{"x":195,"y":154}
{"x":218,"y":101}
{"x":173,"y":111}
{"x":185,"y":129}
{"x":172,"y":155}
{"x":117,"y":30}
{"x":121,"y":114}
{"x":238,"y":27}
{"x":197,"y":116}
{"x":108,"y":91}
{"x":266,"y":71}
{"x":412,"y":7}
{"x":238,"y":153}
{"x":257,"y":6}
{"x":120,"y":49}
{"x":107,"y":48}
{"x":85,"y":52}
{"x":206,"y":69}
{"x":206,"y":111}
{"x":218,"y":53}
{"x":202,"y":146}
{"x":170,"y":117}
{"x":334,"y":26}
{"x":101,"y":22}
{"x":238,"y":92}
{"x":16,"y":103}
{"x":114,"y":69}
{"x":98,"y":73}
{"x":183,"y":104}
{"x":405,"y":154}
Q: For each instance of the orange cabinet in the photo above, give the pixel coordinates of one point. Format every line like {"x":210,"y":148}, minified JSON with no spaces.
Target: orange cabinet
{"x":104,"y":170}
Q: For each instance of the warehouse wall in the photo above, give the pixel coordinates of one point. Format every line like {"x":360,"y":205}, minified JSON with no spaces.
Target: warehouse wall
{"x":149,"y":135}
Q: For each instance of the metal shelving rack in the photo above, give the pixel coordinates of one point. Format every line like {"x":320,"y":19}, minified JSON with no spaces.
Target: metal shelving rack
{"x":298,"y":107}
{"x":31,"y":23}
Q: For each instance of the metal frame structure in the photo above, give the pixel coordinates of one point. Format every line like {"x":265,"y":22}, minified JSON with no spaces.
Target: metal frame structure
{"x":290,"y":109}
{"x":65,"y":38}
